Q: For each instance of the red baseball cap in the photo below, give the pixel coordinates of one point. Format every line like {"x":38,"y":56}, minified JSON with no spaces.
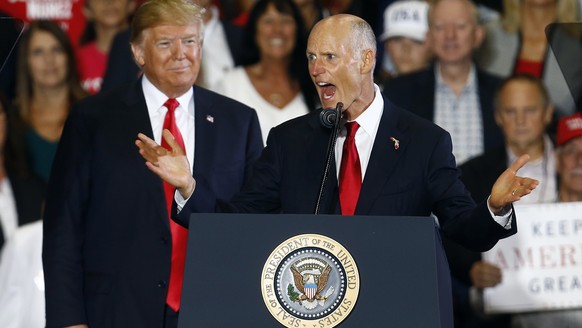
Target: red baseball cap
{"x":569,"y":127}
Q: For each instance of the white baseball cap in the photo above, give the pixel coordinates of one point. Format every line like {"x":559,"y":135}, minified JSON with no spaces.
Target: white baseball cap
{"x":406,"y":18}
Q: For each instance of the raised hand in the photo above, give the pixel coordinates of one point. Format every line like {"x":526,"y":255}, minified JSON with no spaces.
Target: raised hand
{"x":510,"y":188}
{"x":170,"y":165}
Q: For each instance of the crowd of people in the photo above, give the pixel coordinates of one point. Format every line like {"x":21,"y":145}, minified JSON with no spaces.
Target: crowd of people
{"x":493,"y":86}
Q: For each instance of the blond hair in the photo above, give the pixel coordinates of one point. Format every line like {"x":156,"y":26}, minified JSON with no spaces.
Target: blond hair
{"x":566,"y":11}
{"x":154,"y":13}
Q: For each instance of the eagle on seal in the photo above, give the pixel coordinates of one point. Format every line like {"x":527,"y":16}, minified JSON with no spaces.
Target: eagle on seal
{"x":311,"y":285}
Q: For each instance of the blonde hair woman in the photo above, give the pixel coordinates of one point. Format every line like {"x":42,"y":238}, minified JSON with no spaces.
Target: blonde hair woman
{"x":518,"y":43}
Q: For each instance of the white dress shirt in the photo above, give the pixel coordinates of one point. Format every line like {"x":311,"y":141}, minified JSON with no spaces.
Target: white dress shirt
{"x":184,"y":115}
{"x":369,"y":121}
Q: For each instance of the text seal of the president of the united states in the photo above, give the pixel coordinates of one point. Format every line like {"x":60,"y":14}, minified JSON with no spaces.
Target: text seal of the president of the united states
{"x":310,"y":281}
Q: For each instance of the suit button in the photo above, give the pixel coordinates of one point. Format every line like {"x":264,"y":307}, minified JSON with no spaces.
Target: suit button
{"x":164,"y":240}
{"x":161,"y":284}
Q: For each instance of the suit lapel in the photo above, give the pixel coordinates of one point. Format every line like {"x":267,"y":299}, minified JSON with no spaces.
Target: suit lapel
{"x":383,"y":159}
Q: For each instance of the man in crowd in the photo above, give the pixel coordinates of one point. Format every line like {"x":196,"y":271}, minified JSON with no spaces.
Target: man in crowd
{"x":404,"y":38}
{"x":111,"y":256}
{"x":569,"y":166}
{"x":453,"y":93}
{"x":387,"y":162}
{"x":523,"y":111}
{"x":221,"y":52}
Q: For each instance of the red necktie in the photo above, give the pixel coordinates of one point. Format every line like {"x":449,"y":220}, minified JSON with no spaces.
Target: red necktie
{"x":179,"y":233}
{"x":350,"y":178}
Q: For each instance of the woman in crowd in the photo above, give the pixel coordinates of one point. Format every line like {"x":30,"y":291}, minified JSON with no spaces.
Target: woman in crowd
{"x":518,"y":43}
{"x":273,"y":77}
{"x":105,"y":19}
{"x":47,"y":86}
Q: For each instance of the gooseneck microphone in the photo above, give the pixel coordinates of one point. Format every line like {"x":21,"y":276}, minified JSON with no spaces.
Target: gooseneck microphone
{"x":329,"y":118}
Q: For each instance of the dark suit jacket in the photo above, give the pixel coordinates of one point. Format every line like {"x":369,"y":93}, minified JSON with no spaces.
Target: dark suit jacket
{"x":106,"y":250}
{"x":418,"y":178}
{"x":122,"y":69}
{"x":478,"y":175}
{"x":415,"y":92}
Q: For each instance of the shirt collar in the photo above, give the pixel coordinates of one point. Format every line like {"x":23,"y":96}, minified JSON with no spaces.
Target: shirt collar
{"x":155,"y":99}
{"x":469,"y":85}
{"x":369,"y":120}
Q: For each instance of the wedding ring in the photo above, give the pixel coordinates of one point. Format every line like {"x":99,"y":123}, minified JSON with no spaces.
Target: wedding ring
{"x":513,"y":192}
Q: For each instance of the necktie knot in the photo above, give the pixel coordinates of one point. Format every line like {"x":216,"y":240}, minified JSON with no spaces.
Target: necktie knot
{"x":352,"y":128}
{"x":171,"y":104}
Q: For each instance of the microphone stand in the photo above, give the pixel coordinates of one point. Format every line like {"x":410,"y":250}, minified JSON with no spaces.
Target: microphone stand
{"x":330,"y":153}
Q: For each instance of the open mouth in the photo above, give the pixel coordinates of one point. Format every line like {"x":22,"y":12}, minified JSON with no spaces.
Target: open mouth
{"x":327,"y":90}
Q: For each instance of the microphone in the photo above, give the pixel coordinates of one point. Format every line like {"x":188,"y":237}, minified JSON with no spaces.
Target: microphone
{"x":329,"y":118}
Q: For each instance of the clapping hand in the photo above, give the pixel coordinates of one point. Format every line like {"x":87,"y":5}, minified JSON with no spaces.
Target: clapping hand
{"x":170,"y":165}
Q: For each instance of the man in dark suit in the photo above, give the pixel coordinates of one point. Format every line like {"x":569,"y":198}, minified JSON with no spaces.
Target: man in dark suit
{"x":453,"y":93}
{"x":405,"y":163}
{"x":109,"y":247}
{"x":220,"y":54}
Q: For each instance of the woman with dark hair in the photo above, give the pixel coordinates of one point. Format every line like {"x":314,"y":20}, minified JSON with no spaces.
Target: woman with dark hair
{"x":47,"y":85}
{"x":273,"y":77}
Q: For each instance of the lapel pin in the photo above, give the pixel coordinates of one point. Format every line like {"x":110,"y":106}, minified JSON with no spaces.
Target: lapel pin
{"x":396,"y":143}
{"x":210,"y":118}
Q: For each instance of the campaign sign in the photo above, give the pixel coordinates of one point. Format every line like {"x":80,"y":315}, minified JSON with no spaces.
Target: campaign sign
{"x":542,"y":263}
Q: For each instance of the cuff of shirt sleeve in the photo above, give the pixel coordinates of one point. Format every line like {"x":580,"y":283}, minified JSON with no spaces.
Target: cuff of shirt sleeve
{"x":181,"y":201}
{"x":503,"y":220}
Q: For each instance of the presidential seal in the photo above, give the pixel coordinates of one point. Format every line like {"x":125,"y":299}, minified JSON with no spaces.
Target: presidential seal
{"x":310,"y":281}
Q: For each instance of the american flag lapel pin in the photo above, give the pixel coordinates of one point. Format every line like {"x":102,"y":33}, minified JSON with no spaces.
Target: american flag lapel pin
{"x":210,"y":118}
{"x":396,"y":143}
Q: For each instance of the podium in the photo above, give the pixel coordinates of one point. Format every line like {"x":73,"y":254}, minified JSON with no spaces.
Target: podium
{"x":403,"y":272}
